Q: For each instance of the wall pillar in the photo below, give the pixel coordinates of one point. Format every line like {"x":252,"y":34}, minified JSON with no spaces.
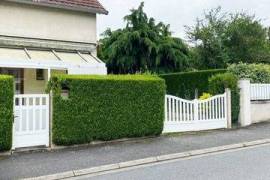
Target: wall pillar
{"x":229,"y":108}
{"x":245,"y":102}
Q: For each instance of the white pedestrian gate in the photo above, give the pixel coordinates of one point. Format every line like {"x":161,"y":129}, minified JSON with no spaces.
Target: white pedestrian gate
{"x":183,"y":115}
{"x":31,"y":122}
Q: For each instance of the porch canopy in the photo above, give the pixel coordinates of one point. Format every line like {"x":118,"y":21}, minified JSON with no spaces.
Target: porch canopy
{"x":74,"y":62}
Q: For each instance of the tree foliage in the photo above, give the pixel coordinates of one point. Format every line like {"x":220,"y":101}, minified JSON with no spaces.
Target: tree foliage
{"x":208,"y":36}
{"x":222,"y":38}
{"x":142,"y":46}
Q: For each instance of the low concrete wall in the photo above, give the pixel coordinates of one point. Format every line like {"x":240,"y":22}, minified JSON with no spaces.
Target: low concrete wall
{"x":260,"y":111}
{"x":251,"y":111}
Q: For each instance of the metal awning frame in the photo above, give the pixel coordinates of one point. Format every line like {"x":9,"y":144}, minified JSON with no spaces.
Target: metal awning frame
{"x":57,"y":65}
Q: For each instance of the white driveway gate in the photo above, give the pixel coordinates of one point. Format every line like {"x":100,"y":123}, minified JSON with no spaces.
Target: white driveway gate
{"x":183,"y":115}
{"x":31,"y":124}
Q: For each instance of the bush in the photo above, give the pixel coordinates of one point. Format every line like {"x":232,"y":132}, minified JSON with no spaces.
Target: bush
{"x":6,"y":112}
{"x":257,"y":73}
{"x":219,"y":82}
{"x":106,"y":107}
{"x":217,"y":85}
{"x":205,"y":96}
{"x":185,"y":84}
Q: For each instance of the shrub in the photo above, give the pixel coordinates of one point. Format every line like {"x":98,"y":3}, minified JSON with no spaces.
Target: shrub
{"x":217,"y":85}
{"x":185,"y":84}
{"x":257,"y":73}
{"x":6,"y":112}
{"x":205,"y":96}
{"x":106,"y":107}
{"x":219,"y":82}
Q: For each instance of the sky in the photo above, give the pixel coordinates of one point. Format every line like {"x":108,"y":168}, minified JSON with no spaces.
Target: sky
{"x":178,"y":13}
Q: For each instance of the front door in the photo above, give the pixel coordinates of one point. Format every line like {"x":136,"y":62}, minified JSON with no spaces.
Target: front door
{"x":18,"y":75}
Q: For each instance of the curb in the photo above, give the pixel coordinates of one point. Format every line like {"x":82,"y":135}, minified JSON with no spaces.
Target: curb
{"x":156,"y":159}
{"x":5,"y":154}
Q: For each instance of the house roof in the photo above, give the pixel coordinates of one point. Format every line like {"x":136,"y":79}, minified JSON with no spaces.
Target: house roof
{"x":93,"y":6}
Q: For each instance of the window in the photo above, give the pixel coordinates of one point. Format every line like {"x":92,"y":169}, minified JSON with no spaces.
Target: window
{"x":40,"y":74}
{"x":18,"y":78}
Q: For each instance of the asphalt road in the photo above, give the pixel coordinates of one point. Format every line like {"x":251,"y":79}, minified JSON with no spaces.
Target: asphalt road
{"x":246,"y":164}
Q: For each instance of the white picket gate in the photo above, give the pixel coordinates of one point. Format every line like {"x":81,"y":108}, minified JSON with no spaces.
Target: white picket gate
{"x":259,"y":92}
{"x":183,"y":115}
{"x":31,"y":124}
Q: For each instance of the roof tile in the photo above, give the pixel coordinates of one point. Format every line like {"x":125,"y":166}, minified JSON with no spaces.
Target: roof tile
{"x":88,"y":4}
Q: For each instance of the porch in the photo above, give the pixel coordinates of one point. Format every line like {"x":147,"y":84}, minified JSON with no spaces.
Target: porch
{"x":32,"y":68}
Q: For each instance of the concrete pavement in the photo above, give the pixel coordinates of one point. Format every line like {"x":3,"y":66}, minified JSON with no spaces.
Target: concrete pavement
{"x":245,"y":164}
{"x":38,"y":164}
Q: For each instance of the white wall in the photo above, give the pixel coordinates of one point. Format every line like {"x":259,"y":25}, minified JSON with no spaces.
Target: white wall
{"x":260,"y":111}
{"x":251,"y":111}
{"x":46,"y":23}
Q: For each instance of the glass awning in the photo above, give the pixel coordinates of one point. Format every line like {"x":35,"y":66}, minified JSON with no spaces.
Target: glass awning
{"x":44,"y":59}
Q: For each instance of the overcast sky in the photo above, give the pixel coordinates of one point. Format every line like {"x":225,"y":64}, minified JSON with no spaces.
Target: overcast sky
{"x":178,"y":13}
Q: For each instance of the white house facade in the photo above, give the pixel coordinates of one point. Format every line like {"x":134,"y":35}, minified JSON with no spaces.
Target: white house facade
{"x":39,"y":38}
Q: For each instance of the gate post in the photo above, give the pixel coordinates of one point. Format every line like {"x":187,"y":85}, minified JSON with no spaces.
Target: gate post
{"x":50,"y":111}
{"x":245,"y":115}
{"x":229,"y":108}
{"x":166,"y":109}
{"x":196,"y":110}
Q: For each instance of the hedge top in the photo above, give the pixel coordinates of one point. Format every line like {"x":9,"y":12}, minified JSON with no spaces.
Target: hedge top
{"x":192,"y":72}
{"x":5,"y":77}
{"x":111,"y":77}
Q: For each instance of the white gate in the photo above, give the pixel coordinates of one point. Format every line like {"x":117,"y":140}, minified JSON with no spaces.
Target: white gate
{"x":31,"y":123}
{"x":183,"y":115}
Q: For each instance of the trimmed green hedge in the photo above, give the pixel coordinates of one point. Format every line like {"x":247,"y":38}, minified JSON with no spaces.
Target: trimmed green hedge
{"x":217,"y":85}
{"x":6,"y":112}
{"x":185,"y":84}
{"x":106,"y":107}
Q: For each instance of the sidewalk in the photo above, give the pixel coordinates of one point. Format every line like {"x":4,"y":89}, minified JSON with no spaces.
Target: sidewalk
{"x":38,"y":164}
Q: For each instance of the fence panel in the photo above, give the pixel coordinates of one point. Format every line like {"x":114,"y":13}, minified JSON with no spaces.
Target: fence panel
{"x":259,"y":92}
{"x":185,"y":115}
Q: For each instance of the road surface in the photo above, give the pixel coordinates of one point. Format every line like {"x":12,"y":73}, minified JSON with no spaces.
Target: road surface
{"x":245,"y":164}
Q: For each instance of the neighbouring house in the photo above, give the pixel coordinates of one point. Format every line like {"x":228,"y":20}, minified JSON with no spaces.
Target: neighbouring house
{"x":41,"y":37}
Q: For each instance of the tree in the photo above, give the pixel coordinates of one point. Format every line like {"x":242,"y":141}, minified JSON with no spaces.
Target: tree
{"x":246,"y":39}
{"x":208,"y":36}
{"x":142,"y":46}
{"x":222,"y":38}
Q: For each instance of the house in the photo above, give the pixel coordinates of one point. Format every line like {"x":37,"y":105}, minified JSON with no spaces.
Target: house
{"x":39,"y":38}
